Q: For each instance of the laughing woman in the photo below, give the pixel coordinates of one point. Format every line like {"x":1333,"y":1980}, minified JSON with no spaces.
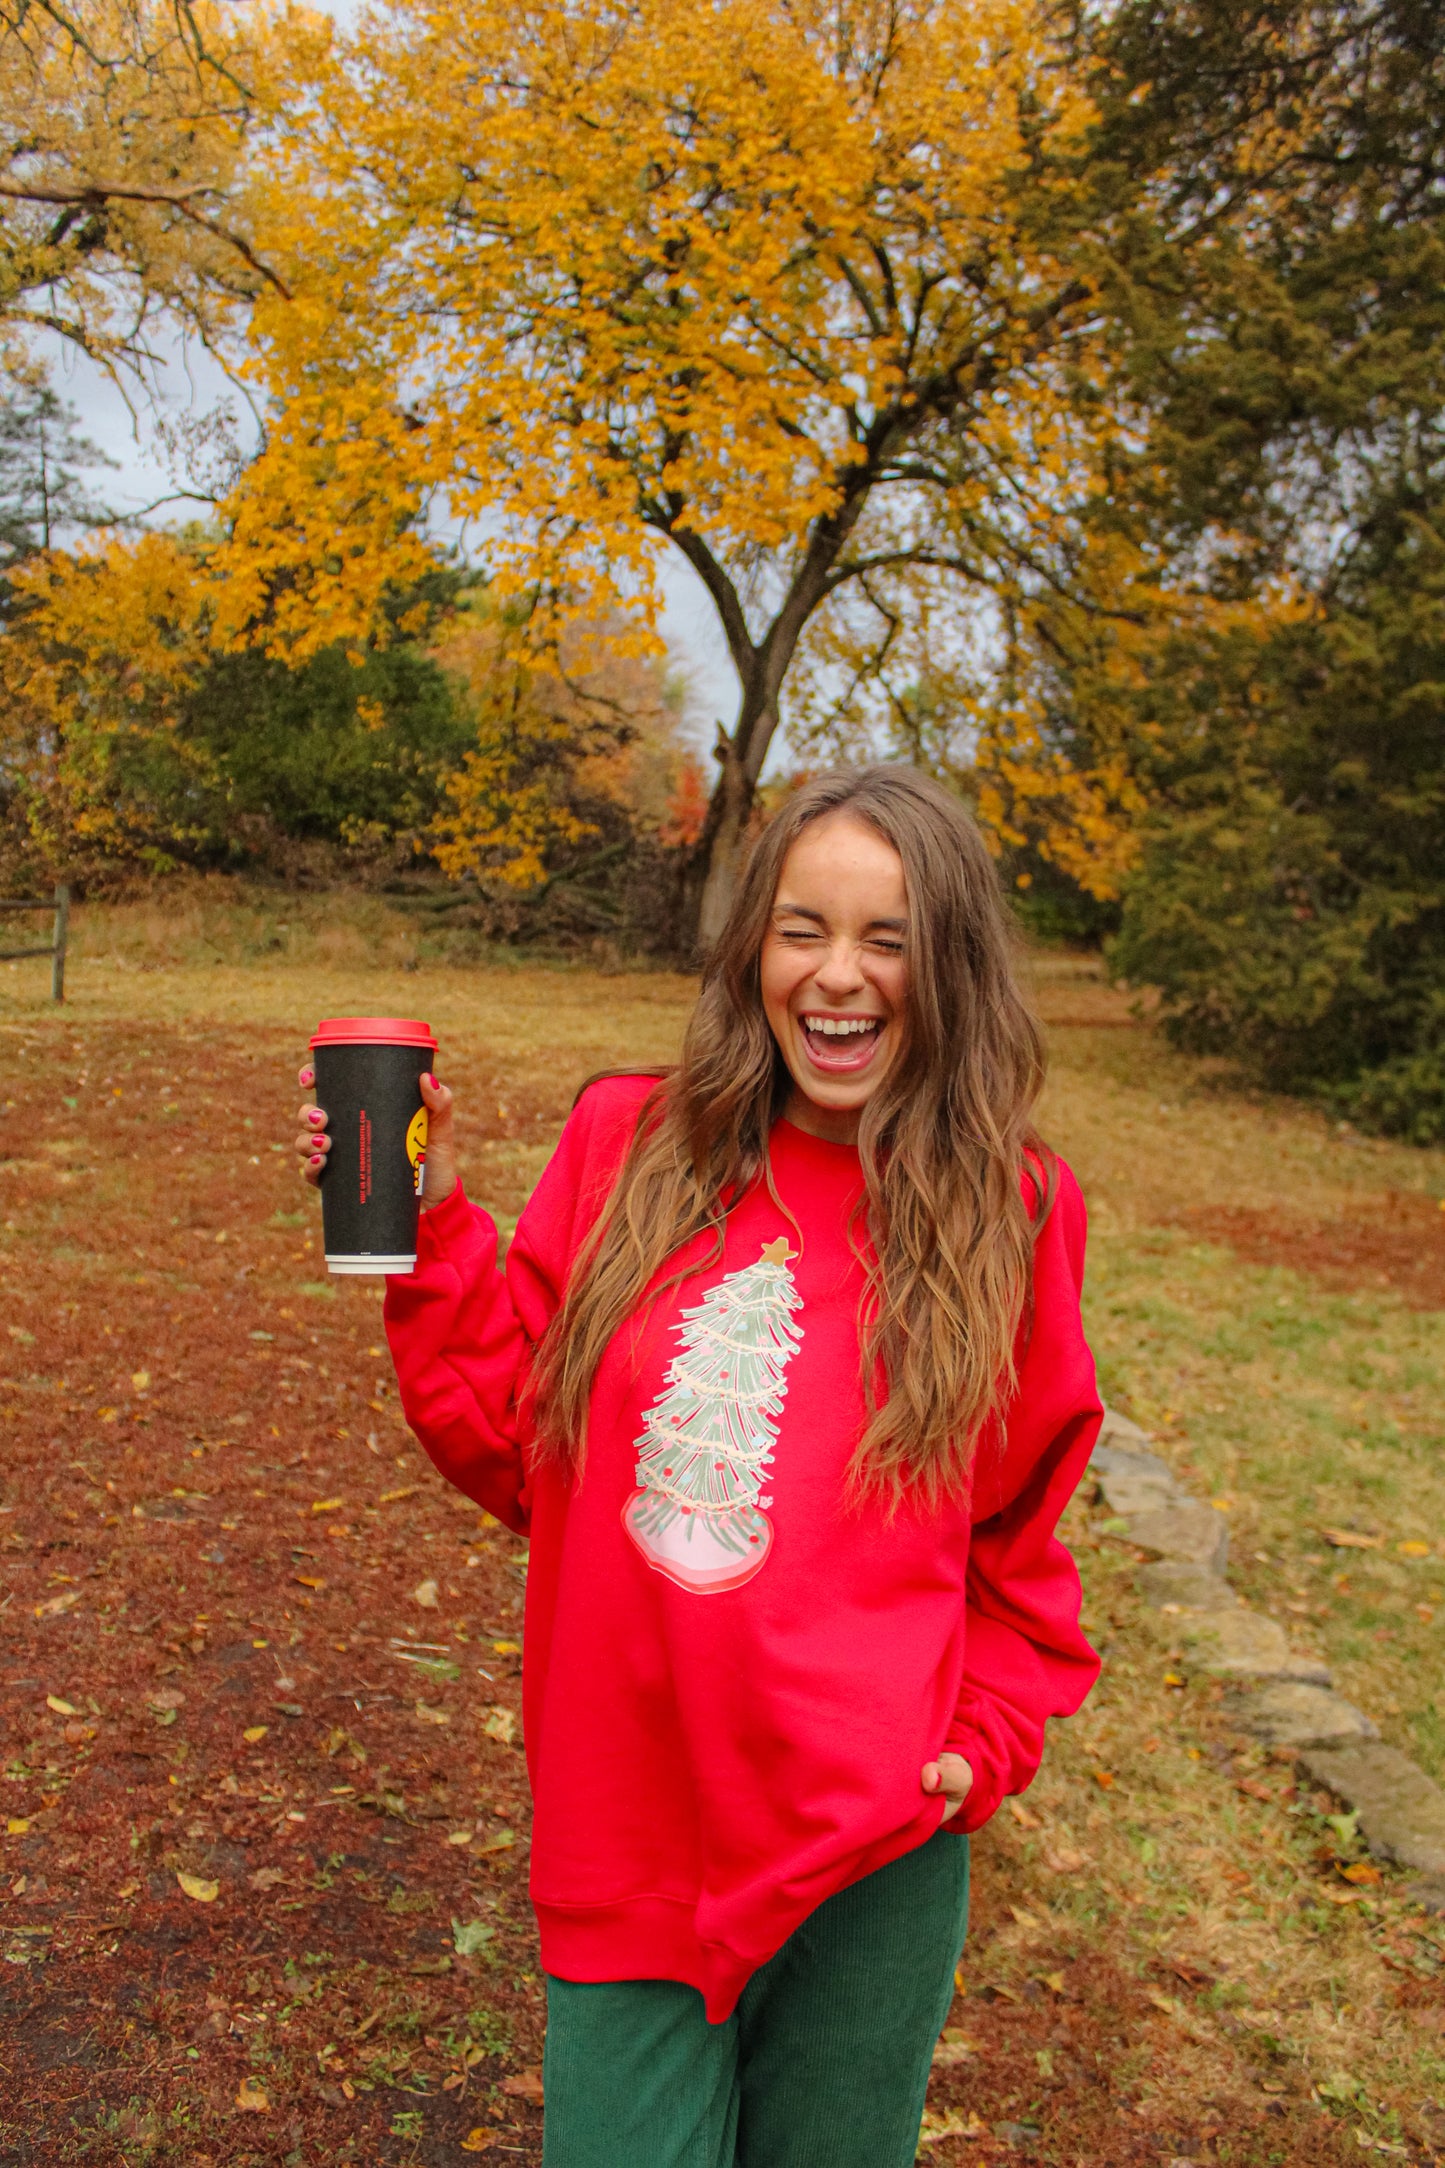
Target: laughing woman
{"x":785,"y":1380}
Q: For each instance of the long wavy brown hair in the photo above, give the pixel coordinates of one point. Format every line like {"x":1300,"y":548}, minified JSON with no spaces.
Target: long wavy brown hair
{"x":957,"y":1183}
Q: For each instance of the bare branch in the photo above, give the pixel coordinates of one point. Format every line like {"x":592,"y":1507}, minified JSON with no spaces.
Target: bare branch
{"x":96,"y":194}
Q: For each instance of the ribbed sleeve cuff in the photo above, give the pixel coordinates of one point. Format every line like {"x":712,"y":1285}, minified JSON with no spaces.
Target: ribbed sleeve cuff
{"x":451,"y":1229}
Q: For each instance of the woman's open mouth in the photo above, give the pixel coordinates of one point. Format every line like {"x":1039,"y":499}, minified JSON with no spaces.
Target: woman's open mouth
{"x":841,"y":1045}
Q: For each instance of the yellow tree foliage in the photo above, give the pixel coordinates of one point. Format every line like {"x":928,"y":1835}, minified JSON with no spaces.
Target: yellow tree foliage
{"x":786,"y":285}
{"x":1062,"y":750}
{"x":549,"y":741}
{"x":123,"y":125}
{"x":94,"y":670}
{"x":105,"y":656}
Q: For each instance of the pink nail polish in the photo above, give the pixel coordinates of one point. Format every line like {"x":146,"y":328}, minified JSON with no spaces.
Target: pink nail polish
{"x":316,"y":1159}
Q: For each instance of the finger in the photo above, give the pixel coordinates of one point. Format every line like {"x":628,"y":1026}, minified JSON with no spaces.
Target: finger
{"x":313,"y":1117}
{"x":932,"y":1776}
{"x":435,"y":1097}
{"x":306,"y":1076}
{"x":955,"y":1806}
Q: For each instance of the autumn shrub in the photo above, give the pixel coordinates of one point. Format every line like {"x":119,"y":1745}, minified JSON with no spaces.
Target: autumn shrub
{"x":546,"y":802}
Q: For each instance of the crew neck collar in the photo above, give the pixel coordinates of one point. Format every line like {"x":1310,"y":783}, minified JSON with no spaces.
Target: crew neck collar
{"x":806,"y":1139}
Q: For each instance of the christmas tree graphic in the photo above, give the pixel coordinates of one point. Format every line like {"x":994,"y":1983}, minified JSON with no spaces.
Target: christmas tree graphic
{"x":708,"y":1438}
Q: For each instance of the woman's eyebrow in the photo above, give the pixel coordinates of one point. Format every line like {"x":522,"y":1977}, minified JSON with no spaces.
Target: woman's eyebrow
{"x":874,"y":925}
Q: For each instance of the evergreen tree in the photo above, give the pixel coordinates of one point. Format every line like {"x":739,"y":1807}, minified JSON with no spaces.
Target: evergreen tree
{"x":1279,"y":321}
{"x":44,"y":495}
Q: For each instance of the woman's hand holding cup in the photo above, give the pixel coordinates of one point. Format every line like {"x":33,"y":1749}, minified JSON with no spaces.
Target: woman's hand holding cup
{"x":313,"y":1142}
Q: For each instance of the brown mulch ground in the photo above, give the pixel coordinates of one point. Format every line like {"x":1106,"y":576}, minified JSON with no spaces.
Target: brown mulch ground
{"x":1397,"y":1242}
{"x":216,"y":1537}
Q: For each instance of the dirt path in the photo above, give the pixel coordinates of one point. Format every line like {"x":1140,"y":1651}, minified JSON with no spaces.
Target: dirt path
{"x":215,"y":1525}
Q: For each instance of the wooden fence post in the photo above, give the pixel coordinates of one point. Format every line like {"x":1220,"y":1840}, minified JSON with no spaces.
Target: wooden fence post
{"x":62,"y":937}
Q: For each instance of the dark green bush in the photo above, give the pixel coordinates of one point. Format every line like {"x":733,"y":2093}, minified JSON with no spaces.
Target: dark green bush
{"x":1290,"y":901}
{"x":334,"y":752}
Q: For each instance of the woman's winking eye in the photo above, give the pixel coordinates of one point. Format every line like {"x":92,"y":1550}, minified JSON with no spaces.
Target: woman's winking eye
{"x":889,"y":944}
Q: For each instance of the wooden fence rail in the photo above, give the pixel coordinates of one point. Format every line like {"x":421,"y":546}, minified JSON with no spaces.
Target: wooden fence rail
{"x":60,"y":905}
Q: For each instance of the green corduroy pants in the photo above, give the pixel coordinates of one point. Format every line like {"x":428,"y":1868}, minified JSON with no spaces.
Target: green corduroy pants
{"x":823,"y":2064}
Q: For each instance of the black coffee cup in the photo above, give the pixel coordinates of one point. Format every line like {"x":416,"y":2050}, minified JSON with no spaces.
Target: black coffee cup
{"x":368,"y":1084}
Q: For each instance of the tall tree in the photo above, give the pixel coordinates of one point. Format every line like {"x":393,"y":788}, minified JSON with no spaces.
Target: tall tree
{"x":1281,"y":338}
{"x":123,"y":125}
{"x":787,"y":286}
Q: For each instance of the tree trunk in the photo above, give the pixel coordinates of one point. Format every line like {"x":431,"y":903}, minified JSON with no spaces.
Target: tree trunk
{"x":711,"y":879}
{"x":733,"y":801}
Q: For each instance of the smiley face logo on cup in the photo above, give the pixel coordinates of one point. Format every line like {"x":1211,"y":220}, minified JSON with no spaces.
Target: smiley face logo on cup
{"x":416,"y":1148}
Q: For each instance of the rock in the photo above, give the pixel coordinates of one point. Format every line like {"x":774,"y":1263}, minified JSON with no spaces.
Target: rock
{"x":1119,"y":1426}
{"x":1242,"y":1645}
{"x":1116,"y":1460}
{"x":1402,"y":1814}
{"x":1195,"y":1535}
{"x":1178,"y":1584}
{"x":1130,"y":1494}
{"x":1287,"y":1712}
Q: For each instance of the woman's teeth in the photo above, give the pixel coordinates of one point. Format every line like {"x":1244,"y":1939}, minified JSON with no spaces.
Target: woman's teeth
{"x":838,"y":1027}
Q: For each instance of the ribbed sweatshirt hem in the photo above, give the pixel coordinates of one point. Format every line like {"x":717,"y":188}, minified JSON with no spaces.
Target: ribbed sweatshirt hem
{"x":643,"y":1938}
{"x":649,"y":1937}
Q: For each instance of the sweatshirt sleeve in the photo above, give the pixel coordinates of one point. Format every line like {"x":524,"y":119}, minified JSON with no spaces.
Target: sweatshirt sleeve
{"x":463,"y":1331}
{"x":1026,"y":1656}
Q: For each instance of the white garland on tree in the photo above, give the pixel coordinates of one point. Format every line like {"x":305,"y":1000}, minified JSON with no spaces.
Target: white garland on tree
{"x":708,"y":1438}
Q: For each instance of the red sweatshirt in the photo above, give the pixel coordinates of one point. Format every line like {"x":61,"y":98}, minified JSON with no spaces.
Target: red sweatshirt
{"x":734,"y":1675}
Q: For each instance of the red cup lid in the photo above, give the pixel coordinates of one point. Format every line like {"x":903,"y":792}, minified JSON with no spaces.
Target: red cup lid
{"x":373,"y":1031}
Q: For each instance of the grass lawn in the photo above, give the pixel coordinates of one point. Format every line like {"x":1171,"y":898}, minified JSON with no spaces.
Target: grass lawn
{"x":1295,"y":1373}
{"x":1168,"y":1959}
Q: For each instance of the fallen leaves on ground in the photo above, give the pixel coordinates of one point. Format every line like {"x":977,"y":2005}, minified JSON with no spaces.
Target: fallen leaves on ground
{"x":54,"y":1605}
{"x":955,"y":2124}
{"x":953,"y":2048}
{"x":470,"y":1936}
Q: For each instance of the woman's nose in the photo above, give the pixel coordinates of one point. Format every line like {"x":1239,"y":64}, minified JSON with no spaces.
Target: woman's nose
{"x":839,"y":973}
